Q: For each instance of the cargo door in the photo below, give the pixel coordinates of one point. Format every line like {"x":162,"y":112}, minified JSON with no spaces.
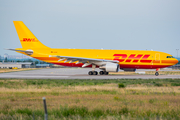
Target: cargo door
{"x":157,"y":58}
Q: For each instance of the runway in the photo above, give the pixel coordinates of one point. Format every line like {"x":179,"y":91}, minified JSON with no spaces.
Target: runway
{"x":74,"y":73}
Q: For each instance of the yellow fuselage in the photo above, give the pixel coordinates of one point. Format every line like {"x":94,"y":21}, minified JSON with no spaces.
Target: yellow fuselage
{"x":138,"y":59}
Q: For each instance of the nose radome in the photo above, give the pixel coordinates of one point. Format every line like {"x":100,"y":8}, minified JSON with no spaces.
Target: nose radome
{"x":176,"y":61}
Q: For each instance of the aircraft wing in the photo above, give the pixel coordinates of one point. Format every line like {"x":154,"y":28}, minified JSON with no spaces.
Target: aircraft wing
{"x":86,"y":61}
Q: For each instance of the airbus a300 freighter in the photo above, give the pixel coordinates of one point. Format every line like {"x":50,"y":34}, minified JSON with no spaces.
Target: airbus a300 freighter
{"x":106,"y":60}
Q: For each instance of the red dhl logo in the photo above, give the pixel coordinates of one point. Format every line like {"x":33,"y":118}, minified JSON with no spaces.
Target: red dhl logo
{"x":132,"y":58}
{"x":29,"y":40}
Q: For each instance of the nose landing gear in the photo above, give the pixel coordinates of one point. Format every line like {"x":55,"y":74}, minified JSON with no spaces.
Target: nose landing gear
{"x":157,"y":69}
{"x":156,"y":73}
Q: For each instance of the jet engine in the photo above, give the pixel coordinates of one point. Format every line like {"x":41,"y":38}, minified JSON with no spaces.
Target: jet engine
{"x":110,"y":67}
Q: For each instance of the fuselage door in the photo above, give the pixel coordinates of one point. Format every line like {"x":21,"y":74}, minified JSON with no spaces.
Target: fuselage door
{"x":157,"y":58}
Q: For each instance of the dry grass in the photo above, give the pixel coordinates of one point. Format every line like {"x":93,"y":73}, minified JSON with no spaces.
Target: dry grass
{"x":101,"y":96}
{"x":3,"y":70}
{"x":147,"y":73}
{"x":123,"y":73}
{"x":164,"y":72}
{"x":138,"y":98}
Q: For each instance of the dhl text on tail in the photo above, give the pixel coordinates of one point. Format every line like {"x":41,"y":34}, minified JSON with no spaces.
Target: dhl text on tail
{"x":106,"y":60}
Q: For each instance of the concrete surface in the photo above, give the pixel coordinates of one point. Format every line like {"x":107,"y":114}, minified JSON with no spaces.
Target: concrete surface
{"x":75,"y":73}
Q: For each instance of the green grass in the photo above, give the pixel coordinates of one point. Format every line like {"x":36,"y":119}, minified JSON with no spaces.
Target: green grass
{"x":83,"y":113}
{"x":142,"y":99}
{"x":56,"y":83}
{"x":121,"y":85}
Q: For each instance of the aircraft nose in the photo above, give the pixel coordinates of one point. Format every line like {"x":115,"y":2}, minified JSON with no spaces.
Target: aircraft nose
{"x":176,"y":61}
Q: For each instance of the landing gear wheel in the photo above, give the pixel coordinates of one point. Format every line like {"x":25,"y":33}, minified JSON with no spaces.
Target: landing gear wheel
{"x":156,"y":73}
{"x":95,"y":72}
{"x":90,"y":73}
{"x":101,"y":72}
{"x":106,"y":73}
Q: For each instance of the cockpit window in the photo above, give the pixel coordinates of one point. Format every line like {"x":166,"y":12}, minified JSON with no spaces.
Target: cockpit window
{"x":169,"y":57}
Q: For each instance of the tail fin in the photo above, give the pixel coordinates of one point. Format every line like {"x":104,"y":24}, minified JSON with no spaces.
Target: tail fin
{"x":27,"y":38}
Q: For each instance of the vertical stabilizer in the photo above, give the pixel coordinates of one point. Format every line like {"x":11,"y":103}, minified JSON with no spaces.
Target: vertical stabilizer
{"x":27,"y":38}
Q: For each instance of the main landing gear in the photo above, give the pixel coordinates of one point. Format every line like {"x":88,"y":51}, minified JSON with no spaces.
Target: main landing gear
{"x":103,"y":73}
{"x":96,"y":73}
{"x":93,"y":72}
{"x":157,"y":72}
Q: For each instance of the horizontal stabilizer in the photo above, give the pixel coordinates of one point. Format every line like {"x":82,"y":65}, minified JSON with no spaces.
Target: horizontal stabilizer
{"x":29,"y":52}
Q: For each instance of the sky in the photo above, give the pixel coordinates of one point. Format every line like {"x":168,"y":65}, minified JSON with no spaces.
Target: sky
{"x":94,"y":24}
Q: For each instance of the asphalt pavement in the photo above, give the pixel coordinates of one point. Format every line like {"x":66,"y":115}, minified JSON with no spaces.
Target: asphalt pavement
{"x":75,"y":73}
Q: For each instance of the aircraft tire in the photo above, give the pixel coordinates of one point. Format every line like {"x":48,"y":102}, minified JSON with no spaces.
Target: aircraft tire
{"x":106,"y":73}
{"x":101,"y":72}
{"x":95,"y":72}
{"x":156,"y":73}
{"x":90,"y":73}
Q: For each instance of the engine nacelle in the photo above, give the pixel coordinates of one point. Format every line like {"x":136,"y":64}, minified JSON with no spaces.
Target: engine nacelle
{"x":110,"y":67}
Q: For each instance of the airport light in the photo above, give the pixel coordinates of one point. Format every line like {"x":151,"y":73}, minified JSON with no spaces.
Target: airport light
{"x":177,"y":52}
{"x":177,"y":56}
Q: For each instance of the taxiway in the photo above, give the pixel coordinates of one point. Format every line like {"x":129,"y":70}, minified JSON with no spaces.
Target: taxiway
{"x":74,"y":73}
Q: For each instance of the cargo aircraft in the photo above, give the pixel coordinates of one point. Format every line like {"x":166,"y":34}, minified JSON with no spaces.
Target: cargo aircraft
{"x":106,"y":60}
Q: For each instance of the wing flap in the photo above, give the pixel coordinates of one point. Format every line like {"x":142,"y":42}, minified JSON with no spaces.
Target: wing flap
{"x":85,"y":61}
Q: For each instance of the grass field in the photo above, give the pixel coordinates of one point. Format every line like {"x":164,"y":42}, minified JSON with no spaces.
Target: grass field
{"x":90,"y":99}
